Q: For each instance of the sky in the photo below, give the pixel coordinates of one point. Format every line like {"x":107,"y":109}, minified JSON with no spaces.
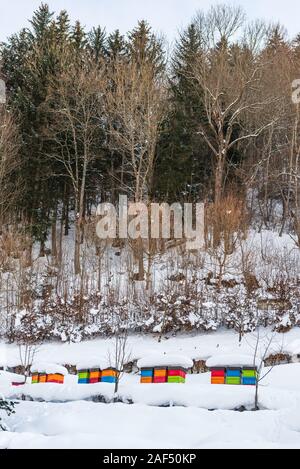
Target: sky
{"x":165,"y":16}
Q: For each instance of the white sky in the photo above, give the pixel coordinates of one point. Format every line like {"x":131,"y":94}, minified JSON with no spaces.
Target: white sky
{"x":165,"y":16}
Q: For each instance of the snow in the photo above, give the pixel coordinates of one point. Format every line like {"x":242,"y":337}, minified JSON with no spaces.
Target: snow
{"x":3,"y":356}
{"x":67,"y":417}
{"x":237,"y":360}
{"x":165,"y":360}
{"x":191,"y":415}
{"x":76,"y":425}
{"x":48,"y":368}
{"x":92,"y":362}
{"x":279,"y":389}
{"x":197,"y":346}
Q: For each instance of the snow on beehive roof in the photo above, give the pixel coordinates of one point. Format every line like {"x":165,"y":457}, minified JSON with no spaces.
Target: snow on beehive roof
{"x":88,"y":363}
{"x":165,"y":360}
{"x":224,"y":360}
{"x":48,"y":368}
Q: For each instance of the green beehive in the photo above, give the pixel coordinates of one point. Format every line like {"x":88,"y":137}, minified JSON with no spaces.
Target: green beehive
{"x":233,"y":380}
{"x":249,"y":373}
{"x":83,"y":376}
{"x":176,"y":379}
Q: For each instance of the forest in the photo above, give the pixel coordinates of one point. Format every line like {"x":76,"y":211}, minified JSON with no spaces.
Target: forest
{"x":90,"y":115}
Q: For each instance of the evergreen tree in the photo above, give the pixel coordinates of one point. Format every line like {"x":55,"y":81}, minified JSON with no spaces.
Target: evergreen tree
{"x":78,"y":37}
{"x":8,"y":408}
{"x":144,"y":47}
{"x":31,"y":60}
{"x":183,"y":163}
{"x":97,"y":43}
{"x":41,"y":20}
{"x":63,"y":26}
{"x":116,"y":46}
{"x":276,"y":41}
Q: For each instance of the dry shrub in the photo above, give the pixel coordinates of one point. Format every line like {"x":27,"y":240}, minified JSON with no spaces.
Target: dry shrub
{"x":224,"y":220}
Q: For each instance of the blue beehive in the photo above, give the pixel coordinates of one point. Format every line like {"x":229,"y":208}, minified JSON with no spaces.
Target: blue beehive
{"x":233,"y":373}
{"x":108,"y":379}
{"x":249,"y":381}
{"x":147,"y":373}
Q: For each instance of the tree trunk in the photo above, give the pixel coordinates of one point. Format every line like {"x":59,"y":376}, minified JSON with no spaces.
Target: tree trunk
{"x":77,"y":268}
{"x":66,"y":210}
{"x":141,"y":270}
{"x":54,"y":238}
{"x":219,"y":177}
{"x":256,"y":397}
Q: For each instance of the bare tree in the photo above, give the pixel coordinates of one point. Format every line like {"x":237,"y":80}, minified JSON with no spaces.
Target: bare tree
{"x":135,"y":106}
{"x":27,"y":354}
{"x":227,"y":76}
{"x":75,"y":132}
{"x":262,"y":348}
{"x":119,"y":355}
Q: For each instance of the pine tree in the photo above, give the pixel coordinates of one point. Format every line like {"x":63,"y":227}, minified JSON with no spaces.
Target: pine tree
{"x":115,"y":45}
{"x":31,"y":61}
{"x":63,"y":26}
{"x":296,"y":47}
{"x":97,"y":43}
{"x":183,"y":164}
{"x":277,"y":40}
{"x":144,"y":47}
{"x":78,"y":37}
{"x":8,"y":408}
{"x":41,"y":20}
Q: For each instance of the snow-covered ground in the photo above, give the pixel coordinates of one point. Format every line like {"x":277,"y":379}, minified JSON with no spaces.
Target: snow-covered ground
{"x":196,"y":414}
{"x":148,"y":423}
{"x":196,"y":346}
{"x":91,"y":425}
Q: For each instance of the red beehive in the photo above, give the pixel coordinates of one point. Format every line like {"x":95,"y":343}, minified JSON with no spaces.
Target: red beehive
{"x":160,"y":375}
{"x":217,"y":373}
{"x":177,"y":372}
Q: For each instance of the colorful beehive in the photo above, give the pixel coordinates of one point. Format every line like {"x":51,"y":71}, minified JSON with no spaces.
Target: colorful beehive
{"x":55,"y":378}
{"x":95,"y":375}
{"x":147,"y":375}
{"x":48,"y":373}
{"x":160,"y":375}
{"x":83,"y":376}
{"x":176,"y":375}
{"x":249,"y":376}
{"x":233,"y":376}
{"x":164,"y":368}
{"x":42,"y":378}
{"x":218,"y":375}
{"x":34,"y":378}
{"x":109,"y":375}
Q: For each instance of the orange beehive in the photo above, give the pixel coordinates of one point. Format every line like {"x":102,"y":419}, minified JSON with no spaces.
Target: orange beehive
{"x":34,"y":378}
{"x":95,"y":375}
{"x":109,"y":372}
{"x":218,"y":380}
{"x":146,"y":379}
{"x":55,"y":378}
{"x":160,"y":375}
{"x":42,"y":378}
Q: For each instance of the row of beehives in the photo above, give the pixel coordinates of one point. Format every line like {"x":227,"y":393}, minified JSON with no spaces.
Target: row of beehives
{"x":239,"y":376}
{"x":86,"y":376}
{"x":47,"y":378}
{"x":163,"y":375}
{"x":96,"y":375}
